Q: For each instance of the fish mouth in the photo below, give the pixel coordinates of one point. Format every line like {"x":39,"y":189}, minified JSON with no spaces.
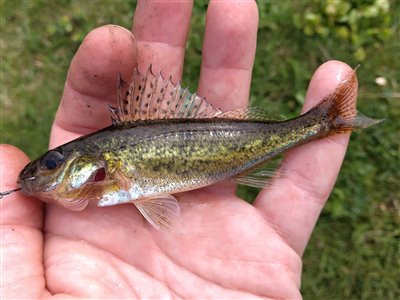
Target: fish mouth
{"x":19,"y":180}
{"x":28,"y":172}
{"x":26,"y":179}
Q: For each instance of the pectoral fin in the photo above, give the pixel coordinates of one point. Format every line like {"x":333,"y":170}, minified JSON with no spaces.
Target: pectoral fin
{"x":76,"y":204}
{"x":160,"y":211}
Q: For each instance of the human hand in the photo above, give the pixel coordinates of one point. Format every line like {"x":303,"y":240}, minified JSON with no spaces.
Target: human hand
{"x":228,"y":248}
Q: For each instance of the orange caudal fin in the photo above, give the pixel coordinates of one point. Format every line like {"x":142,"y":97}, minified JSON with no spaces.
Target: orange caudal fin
{"x":340,"y":106}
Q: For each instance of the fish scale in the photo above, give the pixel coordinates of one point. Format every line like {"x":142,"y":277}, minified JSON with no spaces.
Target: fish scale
{"x":208,"y":151}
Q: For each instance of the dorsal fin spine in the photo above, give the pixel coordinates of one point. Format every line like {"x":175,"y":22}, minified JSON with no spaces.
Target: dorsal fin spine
{"x":142,"y":93}
{"x":153,"y":91}
{"x":135,"y":86}
{"x":189,"y":108}
{"x":166,"y":84}
{"x":114,"y":110}
{"x":173,"y":100}
{"x":182,"y":98}
{"x":132,"y":87}
{"x":163,"y":86}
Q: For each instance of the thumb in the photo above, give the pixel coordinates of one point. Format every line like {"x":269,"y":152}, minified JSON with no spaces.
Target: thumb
{"x":21,"y":237}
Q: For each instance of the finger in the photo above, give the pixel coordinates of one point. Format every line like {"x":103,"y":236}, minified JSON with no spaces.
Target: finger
{"x":228,"y":53}
{"x":227,"y":60}
{"x":161,"y":29}
{"x":21,"y":232}
{"x":293,"y":203}
{"x":91,"y":84}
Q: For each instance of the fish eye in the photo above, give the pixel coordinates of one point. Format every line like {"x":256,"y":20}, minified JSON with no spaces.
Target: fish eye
{"x":52,"y":160}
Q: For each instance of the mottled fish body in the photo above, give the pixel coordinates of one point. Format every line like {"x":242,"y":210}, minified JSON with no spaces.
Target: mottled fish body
{"x":165,"y":140}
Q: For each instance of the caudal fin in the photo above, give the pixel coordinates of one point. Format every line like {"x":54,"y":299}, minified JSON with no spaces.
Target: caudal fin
{"x":340,"y":106}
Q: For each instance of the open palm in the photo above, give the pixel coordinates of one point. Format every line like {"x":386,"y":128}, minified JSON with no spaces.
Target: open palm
{"x":224,"y":247}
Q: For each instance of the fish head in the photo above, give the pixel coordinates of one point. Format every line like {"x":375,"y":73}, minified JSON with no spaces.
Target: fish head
{"x":66,"y":178}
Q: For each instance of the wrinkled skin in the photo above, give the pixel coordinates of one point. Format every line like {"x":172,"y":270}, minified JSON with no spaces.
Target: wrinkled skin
{"x":228,"y":248}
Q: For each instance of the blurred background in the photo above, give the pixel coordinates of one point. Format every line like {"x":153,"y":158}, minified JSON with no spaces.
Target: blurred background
{"x":354,"y":251}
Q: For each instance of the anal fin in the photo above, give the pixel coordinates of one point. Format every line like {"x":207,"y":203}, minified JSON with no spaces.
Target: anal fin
{"x":160,"y":211}
{"x":259,"y":177}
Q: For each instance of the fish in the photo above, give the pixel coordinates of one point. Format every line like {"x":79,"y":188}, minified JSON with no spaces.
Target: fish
{"x":165,"y":140}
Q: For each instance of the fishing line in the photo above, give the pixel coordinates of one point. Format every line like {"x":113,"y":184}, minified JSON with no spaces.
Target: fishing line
{"x":2,"y":194}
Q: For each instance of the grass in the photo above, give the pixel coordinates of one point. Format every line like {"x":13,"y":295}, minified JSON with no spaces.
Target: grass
{"x":354,"y":251}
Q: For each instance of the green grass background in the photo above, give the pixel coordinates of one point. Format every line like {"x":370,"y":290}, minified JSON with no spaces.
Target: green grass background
{"x":354,"y":250}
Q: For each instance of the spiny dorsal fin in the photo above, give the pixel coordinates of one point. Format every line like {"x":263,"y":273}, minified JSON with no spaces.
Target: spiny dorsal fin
{"x":150,"y":97}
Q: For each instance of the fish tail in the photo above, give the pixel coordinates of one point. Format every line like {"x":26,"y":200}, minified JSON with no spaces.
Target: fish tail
{"x":340,"y":107}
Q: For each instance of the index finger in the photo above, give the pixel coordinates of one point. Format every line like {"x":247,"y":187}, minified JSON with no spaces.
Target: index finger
{"x":91,"y":84}
{"x":161,"y":29}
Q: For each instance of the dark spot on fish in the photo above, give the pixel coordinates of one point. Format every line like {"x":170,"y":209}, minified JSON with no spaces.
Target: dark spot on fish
{"x":139,"y":87}
{"x":137,"y":98}
{"x":146,"y":105}
{"x":171,"y":93}
{"x":184,"y":173}
{"x":127,"y":93}
{"x":151,"y":85}
{"x":162,"y":90}
{"x":232,"y":147}
{"x":158,"y":100}
{"x":125,"y":111}
{"x":126,"y":101}
{"x":148,"y":95}
{"x":154,"y":109}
